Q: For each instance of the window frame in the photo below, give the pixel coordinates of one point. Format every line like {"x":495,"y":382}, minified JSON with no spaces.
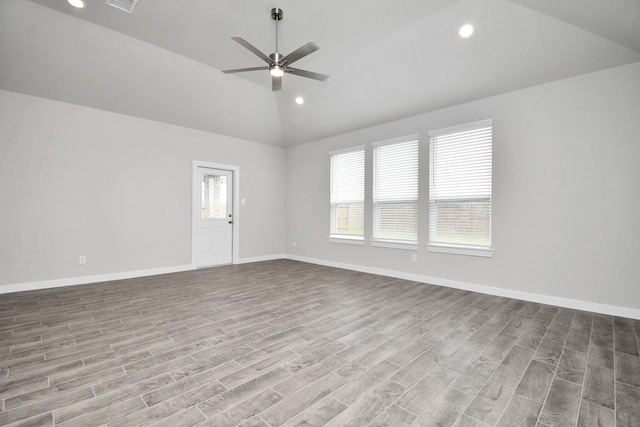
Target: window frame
{"x":396,"y":243}
{"x":458,"y":248}
{"x":347,"y":238}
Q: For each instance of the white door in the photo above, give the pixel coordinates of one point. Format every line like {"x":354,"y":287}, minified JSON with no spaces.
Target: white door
{"x":215,"y":223}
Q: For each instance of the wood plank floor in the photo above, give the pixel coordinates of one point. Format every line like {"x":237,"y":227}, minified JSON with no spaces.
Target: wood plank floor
{"x":284,"y":343}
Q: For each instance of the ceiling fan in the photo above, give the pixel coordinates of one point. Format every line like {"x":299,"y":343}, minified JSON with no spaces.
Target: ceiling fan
{"x":278,"y":65}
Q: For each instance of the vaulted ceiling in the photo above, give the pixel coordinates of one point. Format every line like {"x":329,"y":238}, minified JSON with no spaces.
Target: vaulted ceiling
{"x":387,"y":59}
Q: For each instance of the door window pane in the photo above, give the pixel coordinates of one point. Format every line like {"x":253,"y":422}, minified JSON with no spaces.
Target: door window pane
{"x":214,"y":197}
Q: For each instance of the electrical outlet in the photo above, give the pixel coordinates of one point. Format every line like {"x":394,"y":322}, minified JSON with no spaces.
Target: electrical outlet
{"x":414,"y":257}
{"x":82,"y":259}
{"x":294,"y":243}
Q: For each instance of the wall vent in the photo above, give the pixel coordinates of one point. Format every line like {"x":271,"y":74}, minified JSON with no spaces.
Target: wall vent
{"x":126,"y":5}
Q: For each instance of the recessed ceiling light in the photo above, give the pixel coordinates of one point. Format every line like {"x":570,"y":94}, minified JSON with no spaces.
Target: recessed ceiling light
{"x":299,"y":100}
{"x":466,"y":31}
{"x":77,"y":3}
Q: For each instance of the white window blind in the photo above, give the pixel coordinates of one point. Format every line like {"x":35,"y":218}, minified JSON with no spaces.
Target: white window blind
{"x":395,"y":191}
{"x":347,"y":194}
{"x":460,"y":186}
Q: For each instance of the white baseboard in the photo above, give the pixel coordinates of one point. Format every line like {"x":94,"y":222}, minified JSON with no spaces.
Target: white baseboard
{"x":57,"y":283}
{"x":71,"y":281}
{"x":508,"y":293}
{"x":260,"y":258}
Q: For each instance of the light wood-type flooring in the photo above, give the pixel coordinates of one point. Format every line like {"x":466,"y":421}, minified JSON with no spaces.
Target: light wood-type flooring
{"x":289,"y":343}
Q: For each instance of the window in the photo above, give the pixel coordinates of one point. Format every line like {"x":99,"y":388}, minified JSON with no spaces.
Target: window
{"x":214,"y":197}
{"x":347,"y":195}
{"x":460,"y":187}
{"x":395,"y":191}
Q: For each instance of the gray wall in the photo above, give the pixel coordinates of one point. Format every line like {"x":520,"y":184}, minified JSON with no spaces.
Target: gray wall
{"x":566,"y":193}
{"x":75,"y":180}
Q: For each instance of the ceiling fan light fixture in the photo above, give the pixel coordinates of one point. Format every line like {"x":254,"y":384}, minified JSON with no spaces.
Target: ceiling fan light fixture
{"x":276,"y":71}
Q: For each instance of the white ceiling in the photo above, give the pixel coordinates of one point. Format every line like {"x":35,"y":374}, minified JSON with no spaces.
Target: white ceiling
{"x":387,"y":59}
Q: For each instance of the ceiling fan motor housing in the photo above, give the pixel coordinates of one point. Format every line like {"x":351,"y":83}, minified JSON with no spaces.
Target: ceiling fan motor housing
{"x":275,"y":57}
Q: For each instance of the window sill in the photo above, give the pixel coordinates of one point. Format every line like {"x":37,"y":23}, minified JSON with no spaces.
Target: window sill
{"x":461,"y":250}
{"x":347,"y":240}
{"x":395,"y":245}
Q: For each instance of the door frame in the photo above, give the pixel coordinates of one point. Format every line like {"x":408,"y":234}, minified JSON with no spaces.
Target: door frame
{"x":195,"y":207}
